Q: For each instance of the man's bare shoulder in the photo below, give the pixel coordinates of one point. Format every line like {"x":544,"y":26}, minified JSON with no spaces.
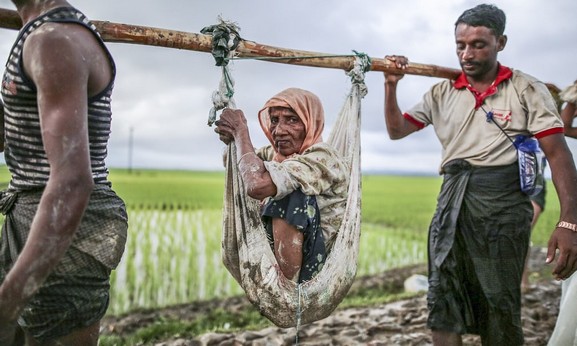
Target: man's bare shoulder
{"x":58,"y":36}
{"x":56,"y":50}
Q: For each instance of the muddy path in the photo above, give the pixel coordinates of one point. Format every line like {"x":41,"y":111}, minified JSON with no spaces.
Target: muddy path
{"x":399,"y":323}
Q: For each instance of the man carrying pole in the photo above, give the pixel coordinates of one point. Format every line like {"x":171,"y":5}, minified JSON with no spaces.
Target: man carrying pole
{"x":65,"y":228}
{"x":479,"y":236}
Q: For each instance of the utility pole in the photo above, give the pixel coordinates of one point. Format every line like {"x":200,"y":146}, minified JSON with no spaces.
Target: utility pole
{"x":130,"y":147}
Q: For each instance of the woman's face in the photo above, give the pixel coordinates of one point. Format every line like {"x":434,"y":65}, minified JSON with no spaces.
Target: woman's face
{"x":287,"y":130}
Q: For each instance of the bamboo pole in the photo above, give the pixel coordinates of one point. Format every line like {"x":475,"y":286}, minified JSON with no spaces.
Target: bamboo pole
{"x":150,"y":36}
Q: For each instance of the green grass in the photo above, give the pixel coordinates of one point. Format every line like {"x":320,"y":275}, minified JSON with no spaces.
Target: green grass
{"x":159,"y":189}
{"x":217,"y":320}
{"x":399,"y":201}
{"x":394,"y":202}
{"x":408,"y":203}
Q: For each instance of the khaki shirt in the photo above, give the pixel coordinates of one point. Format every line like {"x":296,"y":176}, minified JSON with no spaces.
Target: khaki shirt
{"x":522,"y":105}
{"x":318,"y":171}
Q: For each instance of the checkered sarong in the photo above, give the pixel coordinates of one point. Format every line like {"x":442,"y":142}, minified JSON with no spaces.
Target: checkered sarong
{"x":76,"y":293}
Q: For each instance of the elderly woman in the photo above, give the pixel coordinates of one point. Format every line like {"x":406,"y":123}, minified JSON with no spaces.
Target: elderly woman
{"x":301,"y":181}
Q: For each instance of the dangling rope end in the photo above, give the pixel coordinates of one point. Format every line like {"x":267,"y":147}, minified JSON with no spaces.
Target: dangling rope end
{"x":298,"y":313}
{"x":211,"y":116}
{"x":223,"y":97}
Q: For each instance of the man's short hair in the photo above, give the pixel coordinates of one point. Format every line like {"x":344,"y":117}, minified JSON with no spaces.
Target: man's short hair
{"x":489,"y":16}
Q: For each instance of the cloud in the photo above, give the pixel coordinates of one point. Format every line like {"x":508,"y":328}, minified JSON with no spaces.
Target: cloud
{"x":162,"y":96}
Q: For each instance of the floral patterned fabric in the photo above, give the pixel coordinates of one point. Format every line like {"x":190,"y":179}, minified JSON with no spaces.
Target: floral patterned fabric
{"x":319,"y":171}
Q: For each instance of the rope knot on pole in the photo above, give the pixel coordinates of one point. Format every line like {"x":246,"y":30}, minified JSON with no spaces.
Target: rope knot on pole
{"x":361,"y":65}
{"x":225,"y":39}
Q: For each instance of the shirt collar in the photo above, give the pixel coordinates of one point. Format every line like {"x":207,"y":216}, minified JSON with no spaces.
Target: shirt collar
{"x":504,"y":73}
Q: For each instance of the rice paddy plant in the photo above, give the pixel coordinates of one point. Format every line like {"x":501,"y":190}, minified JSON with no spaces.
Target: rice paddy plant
{"x":171,"y":257}
{"x":174,"y":257}
{"x":381,"y":249}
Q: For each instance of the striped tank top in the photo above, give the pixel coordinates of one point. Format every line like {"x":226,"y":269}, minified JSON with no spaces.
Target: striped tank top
{"x":24,"y":151}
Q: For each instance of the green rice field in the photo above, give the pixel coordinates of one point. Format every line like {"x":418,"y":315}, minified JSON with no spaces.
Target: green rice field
{"x":173,"y":249}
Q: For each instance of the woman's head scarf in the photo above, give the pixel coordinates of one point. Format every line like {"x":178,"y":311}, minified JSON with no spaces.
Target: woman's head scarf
{"x":306,"y":105}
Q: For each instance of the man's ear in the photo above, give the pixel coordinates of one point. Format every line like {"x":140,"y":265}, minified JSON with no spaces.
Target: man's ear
{"x":501,"y":42}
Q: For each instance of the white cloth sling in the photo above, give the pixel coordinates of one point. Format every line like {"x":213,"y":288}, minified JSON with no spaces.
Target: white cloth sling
{"x":569,"y":94}
{"x":247,"y":253}
{"x":565,"y":332}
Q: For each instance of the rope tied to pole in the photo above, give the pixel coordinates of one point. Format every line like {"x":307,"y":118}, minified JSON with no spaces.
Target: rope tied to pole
{"x":361,"y":65}
{"x":225,"y":39}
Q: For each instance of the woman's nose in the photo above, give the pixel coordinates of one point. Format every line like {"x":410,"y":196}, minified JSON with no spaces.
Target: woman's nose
{"x":281,"y":127}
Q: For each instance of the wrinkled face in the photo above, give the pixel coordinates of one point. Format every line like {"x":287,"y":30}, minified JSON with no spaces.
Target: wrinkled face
{"x":287,"y":130}
{"x":477,"y":48}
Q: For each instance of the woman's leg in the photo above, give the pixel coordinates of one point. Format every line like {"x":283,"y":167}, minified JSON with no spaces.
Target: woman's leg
{"x":296,"y":238}
{"x":288,"y":248}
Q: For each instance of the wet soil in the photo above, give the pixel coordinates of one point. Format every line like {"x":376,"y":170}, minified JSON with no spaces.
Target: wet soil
{"x":399,"y":323}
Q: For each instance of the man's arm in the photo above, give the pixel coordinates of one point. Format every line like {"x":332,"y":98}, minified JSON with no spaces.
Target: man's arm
{"x":565,"y":181}
{"x":61,"y":77}
{"x":397,"y":126}
{"x":567,"y":115}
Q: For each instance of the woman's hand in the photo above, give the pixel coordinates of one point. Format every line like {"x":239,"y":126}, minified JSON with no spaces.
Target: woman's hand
{"x":231,"y":123}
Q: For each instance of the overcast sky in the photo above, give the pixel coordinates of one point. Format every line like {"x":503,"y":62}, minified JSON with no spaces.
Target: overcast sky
{"x":163,"y":95}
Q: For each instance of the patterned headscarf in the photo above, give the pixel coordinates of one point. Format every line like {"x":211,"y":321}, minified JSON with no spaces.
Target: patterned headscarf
{"x":306,"y":105}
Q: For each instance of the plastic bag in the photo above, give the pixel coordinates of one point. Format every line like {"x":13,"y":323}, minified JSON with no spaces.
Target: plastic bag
{"x":565,"y":332}
{"x":532,"y":164}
